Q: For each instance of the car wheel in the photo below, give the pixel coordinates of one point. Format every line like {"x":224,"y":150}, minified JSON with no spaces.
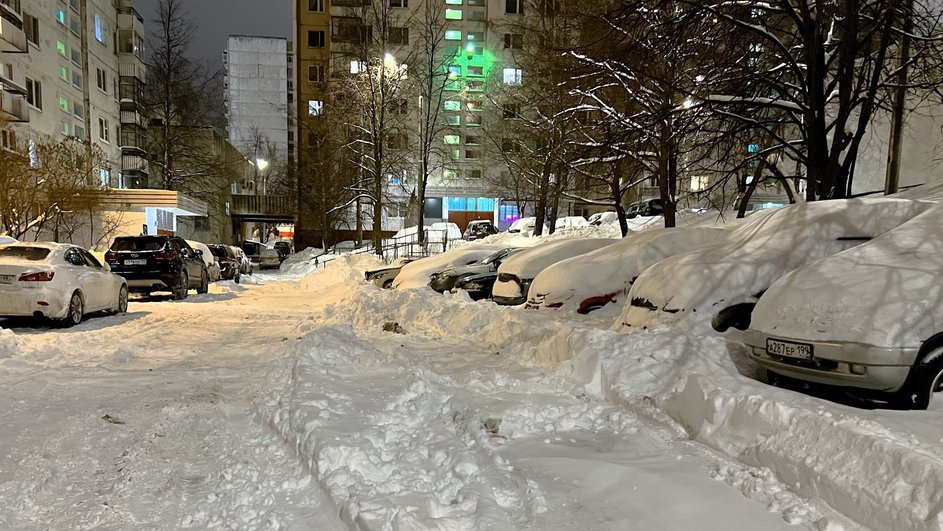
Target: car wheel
{"x":737,"y":316}
{"x":388,"y":284}
{"x":237,"y":277}
{"x":926,"y":383}
{"x":180,"y":292}
{"x":76,"y":311}
{"x":204,"y":284}
{"x":122,"y":300}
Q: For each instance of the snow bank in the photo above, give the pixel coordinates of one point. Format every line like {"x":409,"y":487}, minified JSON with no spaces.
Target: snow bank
{"x":8,"y":343}
{"x":301,"y":263}
{"x":346,"y":270}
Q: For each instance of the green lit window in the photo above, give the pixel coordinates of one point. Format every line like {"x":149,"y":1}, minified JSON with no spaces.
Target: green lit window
{"x":64,"y":104}
{"x":64,"y":127}
{"x":60,"y":46}
{"x":475,"y":85}
{"x":450,"y":174}
{"x":64,"y":73}
{"x":455,"y":70}
{"x":455,"y":154}
{"x":453,"y":35}
{"x":453,"y":14}
{"x":476,"y":70}
{"x":453,"y":2}
{"x":453,"y":119}
{"x":452,"y":105}
{"x":452,"y":140}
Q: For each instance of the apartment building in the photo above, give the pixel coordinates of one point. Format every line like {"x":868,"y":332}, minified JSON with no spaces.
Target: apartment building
{"x":478,"y":49}
{"x":256,"y":92}
{"x":67,"y":74}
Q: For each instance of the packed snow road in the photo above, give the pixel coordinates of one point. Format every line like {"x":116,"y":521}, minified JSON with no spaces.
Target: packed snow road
{"x":305,"y":405}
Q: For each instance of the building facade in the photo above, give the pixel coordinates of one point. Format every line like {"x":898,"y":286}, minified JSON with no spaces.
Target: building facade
{"x":256,"y":97}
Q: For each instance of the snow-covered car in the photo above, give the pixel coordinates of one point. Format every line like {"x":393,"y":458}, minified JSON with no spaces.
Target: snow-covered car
{"x":869,"y":318}
{"x":522,"y":225}
{"x":518,"y":271}
{"x":600,"y":218}
{"x":722,"y":282}
{"x":479,"y":228}
{"x":645,"y":208}
{"x":212,"y":266}
{"x":446,"y":279}
{"x":6,"y":239}
{"x":57,"y":281}
{"x":417,"y":274}
{"x":570,"y":222}
{"x":478,"y":286}
{"x":443,"y":233}
{"x":591,"y":281}
{"x":245,"y":265}
{"x":384,"y":277}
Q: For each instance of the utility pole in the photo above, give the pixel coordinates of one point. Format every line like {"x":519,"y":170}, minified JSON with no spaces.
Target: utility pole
{"x":892,"y":176}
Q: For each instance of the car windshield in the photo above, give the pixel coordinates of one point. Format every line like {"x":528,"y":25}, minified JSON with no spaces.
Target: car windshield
{"x":138,"y":244}
{"x":25,"y":253}
{"x":218,"y":252}
{"x":494,"y":256}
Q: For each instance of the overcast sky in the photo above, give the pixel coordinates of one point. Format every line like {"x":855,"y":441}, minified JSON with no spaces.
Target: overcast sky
{"x":218,"y":19}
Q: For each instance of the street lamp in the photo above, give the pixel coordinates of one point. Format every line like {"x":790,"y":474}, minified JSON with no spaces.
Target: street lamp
{"x":260,"y":165}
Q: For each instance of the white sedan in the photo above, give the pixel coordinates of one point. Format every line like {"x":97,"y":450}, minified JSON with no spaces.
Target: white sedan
{"x":57,"y":281}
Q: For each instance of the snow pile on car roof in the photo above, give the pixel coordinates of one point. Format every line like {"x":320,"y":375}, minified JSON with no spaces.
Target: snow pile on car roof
{"x":301,"y":263}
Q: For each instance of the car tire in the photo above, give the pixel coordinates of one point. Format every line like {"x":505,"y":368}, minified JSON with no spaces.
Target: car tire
{"x":182,"y":288}
{"x":237,"y":278}
{"x":122,"y":300}
{"x":925,"y":381}
{"x":76,"y":311}
{"x":737,"y":316}
{"x":204,"y":287}
{"x":388,"y":284}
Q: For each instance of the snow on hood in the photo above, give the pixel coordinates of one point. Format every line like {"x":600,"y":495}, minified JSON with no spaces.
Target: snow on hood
{"x":611,"y":269}
{"x":416,"y":274}
{"x":768,"y":245}
{"x":527,"y":263}
{"x":886,"y":292}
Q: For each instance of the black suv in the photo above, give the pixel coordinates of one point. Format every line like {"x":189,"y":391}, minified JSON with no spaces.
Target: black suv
{"x":158,"y":263}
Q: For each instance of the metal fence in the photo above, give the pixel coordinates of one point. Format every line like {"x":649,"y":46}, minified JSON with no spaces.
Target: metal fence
{"x":406,"y":246}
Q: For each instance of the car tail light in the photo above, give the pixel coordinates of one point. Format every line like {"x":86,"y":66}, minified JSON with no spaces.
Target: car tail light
{"x":168,"y":257}
{"x":41,"y":276}
{"x":111,"y":256}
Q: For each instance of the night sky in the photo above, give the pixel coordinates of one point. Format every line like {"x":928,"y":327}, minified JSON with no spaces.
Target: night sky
{"x":217,"y":19}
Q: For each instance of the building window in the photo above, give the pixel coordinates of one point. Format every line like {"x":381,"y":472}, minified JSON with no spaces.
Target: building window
{"x":60,"y":17}
{"x":699,"y":183}
{"x":64,"y":104}
{"x":514,"y":41}
{"x":78,"y":110}
{"x":514,"y":6}
{"x":455,"y":71}
{"x":453,"y":14}
{"x":76,"y":57}
{"x":472,"y":140}
{"x":34,"y":93}
{"x":453,"y":119}
{"x":357,"y":67}
{"x":31,"y":26}
{"x":316,"y":39}
{"x":513,"y":76}
{"x":101,"y":80}
{"x":100,"y":34}
{"x":64,"y":73}
{"x":476,"y":70}
{"x":79,"y":132}
{"x":315,"y":107}
{"x":399,"y":3}
{"x":510,"y":146}
{"x":399,"y":36}
{"x":449,"y":174}
{"x":74,"y":25}
{"x":316,"y":6}
{"x":452,"y":105}
{"x":453,"y":35}
{"x":452,"y":140}
{"x":474,"y":174}
{"x":453,"y":2}
{"x":316,"y":73}
{"x":65,"y":127}
{"x":472,"y":154}
{"x":104,"y":130}
{"x":61,"y":48}
{"x":76,"y":78}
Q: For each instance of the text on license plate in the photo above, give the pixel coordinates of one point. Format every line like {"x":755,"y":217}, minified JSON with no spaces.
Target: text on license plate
{"x":6,"y":279}
{"x":139,"y":261}
{"x":789,"y":349}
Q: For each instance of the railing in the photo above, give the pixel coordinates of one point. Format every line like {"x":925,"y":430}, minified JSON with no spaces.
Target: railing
{"x":406,"y":246}
{"x":13,"y":108}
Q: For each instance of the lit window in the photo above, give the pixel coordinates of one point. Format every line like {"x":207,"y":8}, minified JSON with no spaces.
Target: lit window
{"x":453,"y":14}
{"x":61,"y":48}
{"x":476,"y":71}
{"x":452,"y":140}
{"x":65,"y":127}
{"x":452,"y":105}
{"x":315,"y":107}
{"x":453,"y":35}
{"x":60,"y":17}
{"x":64,"y":104}
{"x":455,"y":71}
{"x":513,"y":76}
{"x":450,"y":174}
{"x":699,"y":183}
{"x":64,"y":73}
{"x":99,"y":29}
{"x":357,"y":67}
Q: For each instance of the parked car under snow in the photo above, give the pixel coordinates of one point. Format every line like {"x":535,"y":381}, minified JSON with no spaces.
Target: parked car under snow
{"x":601,"y":277}
{"x":868,"y":318}
{"x":446,"y":279}
{"x":417,"y":274}
{"x":517,"y":272}
{"x":722,"y":282}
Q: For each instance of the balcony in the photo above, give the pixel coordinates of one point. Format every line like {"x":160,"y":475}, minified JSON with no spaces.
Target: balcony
{"x":12,"y":36}
{"x":13,"y":108}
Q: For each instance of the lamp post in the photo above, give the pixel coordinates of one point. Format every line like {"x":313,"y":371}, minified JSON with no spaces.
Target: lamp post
{"x":261,"y":165}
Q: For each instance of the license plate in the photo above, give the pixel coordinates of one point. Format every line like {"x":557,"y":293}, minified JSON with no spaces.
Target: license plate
{"x":789,"y":349}
{"x":135,"y":262}
{"x":6,"y":279}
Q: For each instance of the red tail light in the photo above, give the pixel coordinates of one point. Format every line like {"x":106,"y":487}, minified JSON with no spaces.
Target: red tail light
{"x":111,"y":256}
{"x":169,"y":257}
{"x":42,"y":276}
{"x":555,"y":305}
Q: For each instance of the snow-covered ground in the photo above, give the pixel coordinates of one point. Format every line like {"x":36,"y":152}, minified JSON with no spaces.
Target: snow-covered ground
{"x":318,"y":401}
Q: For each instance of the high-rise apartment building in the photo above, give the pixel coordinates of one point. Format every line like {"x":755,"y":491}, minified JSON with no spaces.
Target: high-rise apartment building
{"x":256,"y":97}
{"x":477,"y":49}
{"x":65,"y":77}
